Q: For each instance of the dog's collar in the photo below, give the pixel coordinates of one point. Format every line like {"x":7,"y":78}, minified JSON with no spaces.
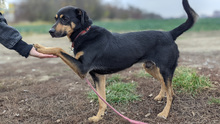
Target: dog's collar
{"x":81,"y":33}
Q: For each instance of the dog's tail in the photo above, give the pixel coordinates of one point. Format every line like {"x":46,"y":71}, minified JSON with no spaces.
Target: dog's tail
{"x":192,"y":17}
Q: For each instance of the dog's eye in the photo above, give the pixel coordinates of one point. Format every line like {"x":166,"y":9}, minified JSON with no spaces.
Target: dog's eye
{"x":55,"y":18}
{"x":64,"y":18}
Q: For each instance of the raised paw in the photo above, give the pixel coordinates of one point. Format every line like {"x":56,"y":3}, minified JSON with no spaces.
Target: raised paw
{"x":94,"y":119}
{"x":163,"y":115}
{"x":39,"y":47}
{"x":47,"y":50}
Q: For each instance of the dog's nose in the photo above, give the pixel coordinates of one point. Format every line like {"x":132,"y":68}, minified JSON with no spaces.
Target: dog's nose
{"x":52,"y":30}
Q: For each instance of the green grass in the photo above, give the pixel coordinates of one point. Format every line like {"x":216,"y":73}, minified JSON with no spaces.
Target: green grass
{"x":37,"y":29}
{"x":128,"y":25}
{"x":214,"y":101}
{"x":186,"y":80}
{"x":166,"y":25}
{"x":114,"y":79}
{"x":118,"y":91}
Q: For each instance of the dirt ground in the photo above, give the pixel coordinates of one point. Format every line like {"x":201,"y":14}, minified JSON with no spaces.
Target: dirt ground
{"x":46,"y":91}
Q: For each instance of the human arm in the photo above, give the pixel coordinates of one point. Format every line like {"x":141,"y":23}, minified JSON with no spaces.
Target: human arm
{"x":11,"y":39}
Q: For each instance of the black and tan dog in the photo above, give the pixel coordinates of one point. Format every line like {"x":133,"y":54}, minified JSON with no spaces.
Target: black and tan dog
{"x":101,"y":52}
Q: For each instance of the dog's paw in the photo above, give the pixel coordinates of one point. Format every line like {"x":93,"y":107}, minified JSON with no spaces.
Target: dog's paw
{"x":163,"y":115}
{"x":94,"y":119}
{"x":38,"y":46}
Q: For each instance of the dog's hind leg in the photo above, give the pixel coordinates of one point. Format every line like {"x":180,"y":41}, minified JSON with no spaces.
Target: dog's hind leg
{"x":100,"y":87}
{"x":153,"y":70}
{"x":169,"y":93}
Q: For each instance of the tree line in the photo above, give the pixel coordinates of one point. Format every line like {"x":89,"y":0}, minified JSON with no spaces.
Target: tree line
{"x":45,"y":10}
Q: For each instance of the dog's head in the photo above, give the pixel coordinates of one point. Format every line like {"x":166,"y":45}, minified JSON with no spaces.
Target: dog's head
{"x":68,"y":20}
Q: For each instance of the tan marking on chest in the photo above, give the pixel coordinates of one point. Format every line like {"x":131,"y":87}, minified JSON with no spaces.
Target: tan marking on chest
{"x":79,"y":54}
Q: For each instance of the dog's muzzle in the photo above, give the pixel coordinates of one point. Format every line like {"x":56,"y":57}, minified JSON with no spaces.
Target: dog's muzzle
{"x":52,"y":32}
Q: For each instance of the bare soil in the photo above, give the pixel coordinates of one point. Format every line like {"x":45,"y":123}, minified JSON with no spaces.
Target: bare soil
{"x":46,"y":91}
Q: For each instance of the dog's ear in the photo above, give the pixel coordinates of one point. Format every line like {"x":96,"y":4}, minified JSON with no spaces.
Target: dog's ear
{"x":82,"y":15}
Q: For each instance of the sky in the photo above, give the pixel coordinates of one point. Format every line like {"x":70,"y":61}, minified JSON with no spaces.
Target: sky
{"x":170,"y":8}
{"x":166,"y":8}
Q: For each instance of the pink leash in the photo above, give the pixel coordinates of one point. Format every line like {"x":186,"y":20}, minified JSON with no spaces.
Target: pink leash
{"x":126,"y":118}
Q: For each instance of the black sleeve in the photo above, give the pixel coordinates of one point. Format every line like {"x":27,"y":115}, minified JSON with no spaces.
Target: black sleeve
{"x":12,"y":39}
{"x":22,"y":48}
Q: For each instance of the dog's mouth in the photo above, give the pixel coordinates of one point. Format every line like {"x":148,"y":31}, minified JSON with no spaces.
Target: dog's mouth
{"x":53,"y":33}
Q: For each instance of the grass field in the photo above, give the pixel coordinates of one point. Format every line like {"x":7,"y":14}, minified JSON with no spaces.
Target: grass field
{"x":128,"y":25}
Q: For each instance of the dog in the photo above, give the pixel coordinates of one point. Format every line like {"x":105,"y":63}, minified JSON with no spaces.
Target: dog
{"x":100,"y":52}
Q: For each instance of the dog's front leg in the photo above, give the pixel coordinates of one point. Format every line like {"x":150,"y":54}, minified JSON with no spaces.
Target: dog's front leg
{"x":100,"y":87}
{"x":73,"y":63}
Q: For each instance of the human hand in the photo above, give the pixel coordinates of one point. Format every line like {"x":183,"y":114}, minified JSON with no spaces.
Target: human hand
{"x":34,"y":53}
